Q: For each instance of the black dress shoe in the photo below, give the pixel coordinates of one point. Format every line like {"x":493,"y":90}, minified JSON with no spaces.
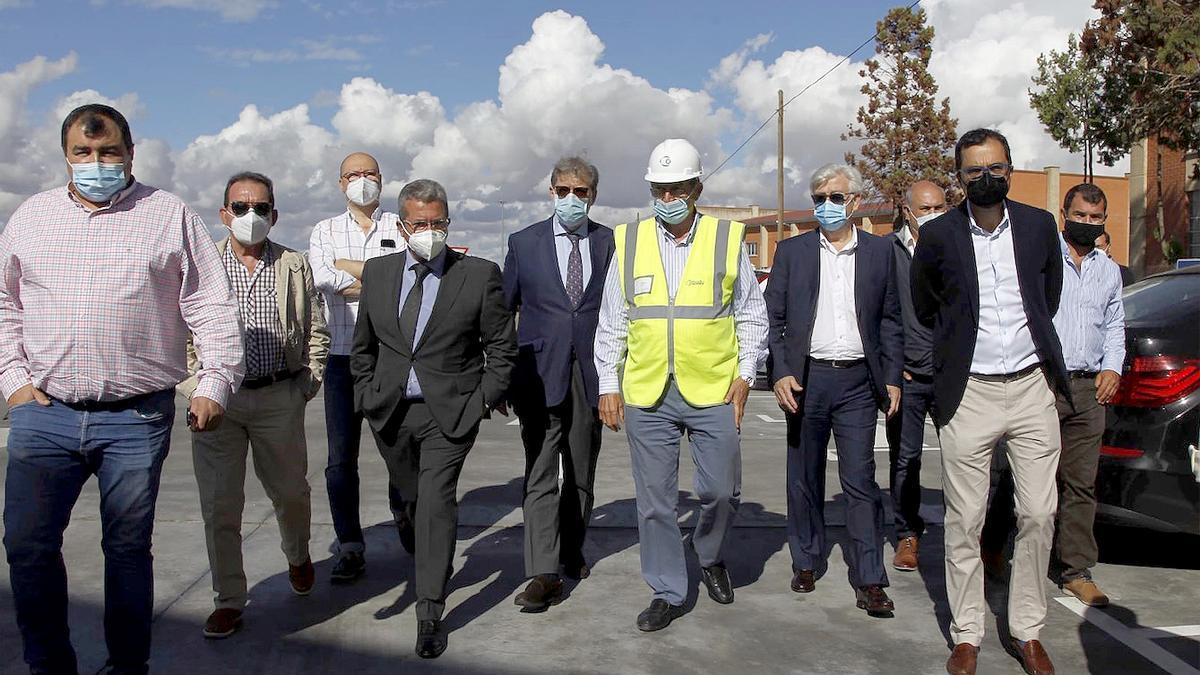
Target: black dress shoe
{"x":804,"y":581}
{"x":577,"y":570}
{"x":350,"y":566}
{"x":408,"y":535}
{"x":658,"y":615}
{"x":542,"y":592}
{"x":874,"y":600}
{"x":431,"y":639}
{"x":716,"y":580}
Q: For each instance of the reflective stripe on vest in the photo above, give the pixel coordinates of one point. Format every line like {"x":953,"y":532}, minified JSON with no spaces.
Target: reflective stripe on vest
{"x":704,"y":361}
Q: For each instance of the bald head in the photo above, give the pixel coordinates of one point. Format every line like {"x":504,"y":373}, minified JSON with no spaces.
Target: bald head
{"x":924,"y":198}
{"x":358,"y":161}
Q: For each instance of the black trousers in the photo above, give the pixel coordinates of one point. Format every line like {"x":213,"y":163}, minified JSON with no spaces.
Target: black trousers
{"x":424,"y":465}
{"x":556,"y":519}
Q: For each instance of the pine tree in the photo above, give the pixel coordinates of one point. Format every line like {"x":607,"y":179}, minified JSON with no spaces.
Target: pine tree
{"x":907,"y":136}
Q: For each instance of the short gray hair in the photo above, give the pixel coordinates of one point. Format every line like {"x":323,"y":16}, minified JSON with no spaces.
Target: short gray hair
{"x":829,"y":171}
{"x":425,"y":191}
{"x":576,"y":166}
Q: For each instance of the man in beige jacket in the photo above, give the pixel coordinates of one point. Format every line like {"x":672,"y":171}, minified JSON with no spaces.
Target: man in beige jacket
{"x":283,"y":326}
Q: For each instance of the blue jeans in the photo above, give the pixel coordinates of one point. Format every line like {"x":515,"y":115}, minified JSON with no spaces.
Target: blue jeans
{"x":52,"y":451}
{"x":343,"y":427}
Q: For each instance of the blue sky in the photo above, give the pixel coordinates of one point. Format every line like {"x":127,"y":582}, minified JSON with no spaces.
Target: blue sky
{"x":484,"y":96}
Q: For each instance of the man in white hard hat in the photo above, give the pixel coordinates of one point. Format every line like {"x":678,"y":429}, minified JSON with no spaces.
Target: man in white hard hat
{"x":683,"y":329}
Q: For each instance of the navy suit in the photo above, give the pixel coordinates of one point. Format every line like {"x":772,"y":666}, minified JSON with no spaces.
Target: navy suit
{"x":841,"y":400}
{"x":555,"y":392}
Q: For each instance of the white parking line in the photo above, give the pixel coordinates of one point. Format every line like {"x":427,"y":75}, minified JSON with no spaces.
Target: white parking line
{"x":1134,"y":638}
{"x":1168,"y":632}
{"x":513,"y":422}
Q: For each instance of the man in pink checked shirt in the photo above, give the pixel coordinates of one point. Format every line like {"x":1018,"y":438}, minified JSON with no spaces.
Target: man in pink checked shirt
{"x":100,"y":283}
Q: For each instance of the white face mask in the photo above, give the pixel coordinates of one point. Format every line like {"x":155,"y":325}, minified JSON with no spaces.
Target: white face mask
{"x":250,"y":229}
{"x":921,"y":220}
{"x":428,"y":244}
{"x":363,"y":191}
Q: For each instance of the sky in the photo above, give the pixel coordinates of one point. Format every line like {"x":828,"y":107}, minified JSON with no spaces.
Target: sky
{"x":484,"y":96}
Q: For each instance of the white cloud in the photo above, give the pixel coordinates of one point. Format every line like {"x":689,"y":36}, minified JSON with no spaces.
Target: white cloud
{"x":230,"y":10}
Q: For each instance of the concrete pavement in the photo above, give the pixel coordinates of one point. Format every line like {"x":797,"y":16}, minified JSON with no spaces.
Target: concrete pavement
{"x":369,"y":627}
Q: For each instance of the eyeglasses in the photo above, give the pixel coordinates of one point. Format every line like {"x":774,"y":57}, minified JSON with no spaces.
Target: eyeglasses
{"x":998,"y":170}
{"x":242,"y":208}
{"x":365,"y":173}
{"x":838,"y":198}
{"x":677,"y":190}
{"x":563,"y":191}
{"x":422,"y":225}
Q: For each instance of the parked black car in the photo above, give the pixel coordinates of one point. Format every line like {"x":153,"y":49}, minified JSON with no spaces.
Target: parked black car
{"x":1149,"y":472}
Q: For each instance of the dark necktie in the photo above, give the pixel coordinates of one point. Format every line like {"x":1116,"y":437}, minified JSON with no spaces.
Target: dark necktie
{"x":412,"y":305}
{"x":574,"y":271}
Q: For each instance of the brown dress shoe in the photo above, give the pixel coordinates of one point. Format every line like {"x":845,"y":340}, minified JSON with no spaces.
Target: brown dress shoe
{"x":542,"y":592}
{"x":222,"y":623}
{"x":962,"y":660}
{"x":804,"y":581}
{"x":906,"y":555}
{"x":1086,"y":591}
{"x":875,"y":600}
{"x":302,"y":577}
{"x":1034,"y":658}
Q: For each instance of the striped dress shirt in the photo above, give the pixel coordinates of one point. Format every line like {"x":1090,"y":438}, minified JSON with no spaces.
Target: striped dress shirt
{"x":749,"y":311}
{"x":96,"y":305}
{"x":1091,"y":315}
{"x":341,"y":237}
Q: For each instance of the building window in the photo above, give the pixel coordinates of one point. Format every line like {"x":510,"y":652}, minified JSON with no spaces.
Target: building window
{"x":752,"y":249}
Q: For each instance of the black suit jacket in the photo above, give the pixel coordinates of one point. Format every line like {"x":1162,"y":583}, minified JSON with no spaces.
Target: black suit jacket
{"x":791,"y":297}
{"x":550,"y":329}
{"x":945,"y":289}
{"x":464,"y":358}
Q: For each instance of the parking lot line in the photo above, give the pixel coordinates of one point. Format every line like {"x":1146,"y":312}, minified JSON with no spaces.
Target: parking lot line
{"x":1168,"y":632}
{"x":1136,"y":639}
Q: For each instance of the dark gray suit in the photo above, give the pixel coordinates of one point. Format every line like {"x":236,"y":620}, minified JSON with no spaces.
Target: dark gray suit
{"x":463,"y":361}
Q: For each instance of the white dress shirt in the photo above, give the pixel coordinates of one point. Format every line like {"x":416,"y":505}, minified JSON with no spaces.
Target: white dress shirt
{"x":749,"y":312}
{"x":835,"y":333}
{"x":1003,"y":343}
{"x":341,"y":237}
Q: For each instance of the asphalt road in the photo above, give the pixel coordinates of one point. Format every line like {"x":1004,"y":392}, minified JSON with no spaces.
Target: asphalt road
{"x":1154,"y":582}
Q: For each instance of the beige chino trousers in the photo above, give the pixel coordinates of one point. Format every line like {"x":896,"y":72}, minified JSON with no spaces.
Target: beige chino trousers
{"x":271,"y":422}
{"x":1022,"y":412}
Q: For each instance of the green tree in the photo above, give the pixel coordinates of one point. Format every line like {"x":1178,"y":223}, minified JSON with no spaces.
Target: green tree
{"x":907,"y":136}
{"x":1068,"y":103}
{"x":1147,"y":53}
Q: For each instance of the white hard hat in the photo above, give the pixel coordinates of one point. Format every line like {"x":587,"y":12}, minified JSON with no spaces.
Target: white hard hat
{"x":672,"y":161}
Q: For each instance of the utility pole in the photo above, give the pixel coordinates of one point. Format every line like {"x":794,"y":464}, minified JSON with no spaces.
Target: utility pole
{"x":778,"y":182}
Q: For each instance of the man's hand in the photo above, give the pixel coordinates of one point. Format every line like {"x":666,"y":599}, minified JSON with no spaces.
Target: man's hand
{"x":352,"y":267}
{"x":612,"y":411}
{"x":352,"y":292}
{"x":907,"y":376}
{"x":738,"y":392}
{"x":893,"y":393}
{"x":26,"y":394}
{"x":204,"y":414}
{"x":786,"y":389}
{"x":1107,"y":383}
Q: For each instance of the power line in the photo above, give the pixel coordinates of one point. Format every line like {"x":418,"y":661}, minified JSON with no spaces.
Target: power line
{"x":798,"y":95}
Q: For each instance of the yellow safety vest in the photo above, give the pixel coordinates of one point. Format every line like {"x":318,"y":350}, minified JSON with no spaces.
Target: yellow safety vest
{"x":690,"y":336}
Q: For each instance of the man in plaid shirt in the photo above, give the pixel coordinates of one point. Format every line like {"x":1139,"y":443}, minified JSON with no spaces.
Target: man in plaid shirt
{"x":337,"y":250}
{"x":101,"y":281}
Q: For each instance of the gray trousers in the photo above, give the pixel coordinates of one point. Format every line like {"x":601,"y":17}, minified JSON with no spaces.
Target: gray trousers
{"x":556,"y":519}
{"x":654,"y":435}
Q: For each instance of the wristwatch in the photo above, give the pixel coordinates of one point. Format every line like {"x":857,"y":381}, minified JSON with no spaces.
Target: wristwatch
{"x":749,"y":379}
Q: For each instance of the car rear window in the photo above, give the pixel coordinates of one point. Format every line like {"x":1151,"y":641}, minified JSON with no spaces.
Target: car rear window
{"x":1165,"y":296}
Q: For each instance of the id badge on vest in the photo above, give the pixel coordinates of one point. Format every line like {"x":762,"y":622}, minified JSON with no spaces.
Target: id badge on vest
{"x":642,"y":285}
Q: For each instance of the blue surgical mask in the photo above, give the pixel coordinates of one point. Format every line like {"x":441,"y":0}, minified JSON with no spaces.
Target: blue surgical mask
{"x":571,"y":211}
{"x":832,"y":217}
{"x":672,"y":212}
{"x":98,"y":182}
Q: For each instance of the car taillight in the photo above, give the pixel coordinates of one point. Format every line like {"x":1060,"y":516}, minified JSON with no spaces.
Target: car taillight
{"x":1120,"y":453}
{"x":1156,"y":381}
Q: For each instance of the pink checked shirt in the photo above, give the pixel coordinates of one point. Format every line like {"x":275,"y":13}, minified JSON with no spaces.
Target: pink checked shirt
{"x":97,"y":305}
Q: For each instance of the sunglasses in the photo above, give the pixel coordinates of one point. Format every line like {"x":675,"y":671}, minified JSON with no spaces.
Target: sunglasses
{"x":838,"y":198}
{"x":677,"y":190}
{"x":563,"y":191}
{"x":242,"y":208}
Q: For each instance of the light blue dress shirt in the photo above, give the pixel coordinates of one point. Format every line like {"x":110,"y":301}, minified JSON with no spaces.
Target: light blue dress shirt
{"x":562,"y":246}
{"x":429,"y":290}
{"x":1091,"y":315}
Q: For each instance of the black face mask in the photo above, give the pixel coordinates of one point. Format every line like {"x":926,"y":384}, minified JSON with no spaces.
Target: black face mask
{"x":987,"y":190}
{"x":1082,"y":234}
